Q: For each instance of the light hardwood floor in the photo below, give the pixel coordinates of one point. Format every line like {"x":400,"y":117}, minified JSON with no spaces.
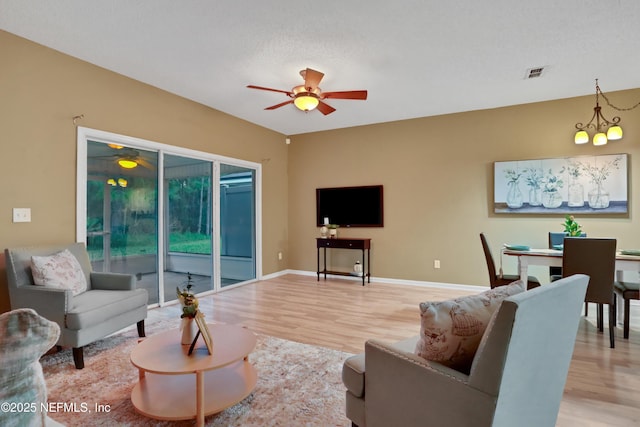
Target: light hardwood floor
{"x":603,"y":385}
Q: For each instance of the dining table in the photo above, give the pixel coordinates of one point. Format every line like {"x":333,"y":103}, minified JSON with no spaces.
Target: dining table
{"x":625,"y":261}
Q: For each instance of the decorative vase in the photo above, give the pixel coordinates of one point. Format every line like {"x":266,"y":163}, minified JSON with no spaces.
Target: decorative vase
{"x":189,"y":330}
{"x":357,"y":269}
{"x":551,"y":199}
{"x":514,"y":195}
{"x":576,"y":196}
{"x":598,"y":198}
{"x":324,"y":231}
{"x":535,"y":196}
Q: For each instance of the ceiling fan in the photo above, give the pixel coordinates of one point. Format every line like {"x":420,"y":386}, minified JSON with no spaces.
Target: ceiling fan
{"x":309,"y":96}
{"x":128,"y":158}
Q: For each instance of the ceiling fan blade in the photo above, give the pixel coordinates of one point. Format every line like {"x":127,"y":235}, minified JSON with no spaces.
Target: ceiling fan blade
{"x":347,"y":94}
{"x":142,"y":162}
{"x":325,"y":108}
{"x":273,"y":107}
{"x":312,"y":79}
{"x":269,"y":89}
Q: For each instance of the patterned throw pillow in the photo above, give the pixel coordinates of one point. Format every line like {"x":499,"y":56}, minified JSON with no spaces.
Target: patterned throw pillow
{"x":451,"y":330}
{"x":24,"y":337}
{"x":61,"y":270}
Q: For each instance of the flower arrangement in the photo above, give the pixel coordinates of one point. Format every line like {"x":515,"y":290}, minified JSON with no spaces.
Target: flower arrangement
{"x":552,"y":183}
{"x":188,"y":300}
{"x":534,"y":177}
{"x":512,"y":176}
{"x":571,"y":227}
{"x":600,"y":174}
{"x":574,"y":169}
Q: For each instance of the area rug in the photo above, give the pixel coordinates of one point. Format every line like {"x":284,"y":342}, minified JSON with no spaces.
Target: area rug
{"x":298,"y":384}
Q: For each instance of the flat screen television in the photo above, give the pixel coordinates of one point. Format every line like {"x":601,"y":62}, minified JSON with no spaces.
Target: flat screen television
{"x":350,"y":206}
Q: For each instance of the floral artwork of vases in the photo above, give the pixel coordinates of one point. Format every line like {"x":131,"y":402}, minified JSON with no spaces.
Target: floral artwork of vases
{"x":566,"y":185}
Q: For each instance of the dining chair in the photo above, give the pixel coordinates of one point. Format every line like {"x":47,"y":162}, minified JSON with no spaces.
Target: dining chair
{"x":628,"y":291}
{"x":555,"y":239}
{"x":555,"y":273}
{"x":595,"y":257}
{"x":496,"y":279}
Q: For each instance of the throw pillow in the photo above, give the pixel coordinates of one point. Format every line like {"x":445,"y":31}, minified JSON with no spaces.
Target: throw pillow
{"x":60,"y":270}
{"x":24,"y":337}
{"x":451,"y":330}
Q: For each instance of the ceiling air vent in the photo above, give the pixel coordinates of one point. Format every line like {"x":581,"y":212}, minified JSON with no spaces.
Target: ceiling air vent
{"x":532,"y":73}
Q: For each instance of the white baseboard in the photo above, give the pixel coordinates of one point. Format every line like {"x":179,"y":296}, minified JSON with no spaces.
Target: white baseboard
{"x":383,"y":280}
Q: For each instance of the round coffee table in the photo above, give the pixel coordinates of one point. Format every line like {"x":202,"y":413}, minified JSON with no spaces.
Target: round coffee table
{"x":174,"y":385}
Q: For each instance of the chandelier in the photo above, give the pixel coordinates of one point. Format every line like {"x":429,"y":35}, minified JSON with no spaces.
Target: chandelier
{"x":605,"y":130}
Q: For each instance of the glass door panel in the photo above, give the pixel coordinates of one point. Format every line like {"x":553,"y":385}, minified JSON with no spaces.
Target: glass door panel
{"x":187,"y":224}
{"x":237,"y":224}
{"x":122,"y":206}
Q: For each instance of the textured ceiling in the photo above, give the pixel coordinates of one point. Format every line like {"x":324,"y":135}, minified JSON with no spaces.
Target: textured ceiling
{"x":416,"y":58}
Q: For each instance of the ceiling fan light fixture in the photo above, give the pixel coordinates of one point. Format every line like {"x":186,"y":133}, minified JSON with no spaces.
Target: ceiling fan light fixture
{"x":306,"y":101}
{"x":127,"y":163}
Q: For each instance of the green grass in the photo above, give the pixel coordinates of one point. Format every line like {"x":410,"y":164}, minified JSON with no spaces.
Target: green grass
{"x":190,"y":243}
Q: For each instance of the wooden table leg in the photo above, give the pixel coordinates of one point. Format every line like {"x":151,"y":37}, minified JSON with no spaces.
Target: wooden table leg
{"x":200,"y":398}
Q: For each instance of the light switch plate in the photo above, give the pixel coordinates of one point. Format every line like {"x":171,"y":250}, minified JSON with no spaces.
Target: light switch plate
{"x":21,"y":214}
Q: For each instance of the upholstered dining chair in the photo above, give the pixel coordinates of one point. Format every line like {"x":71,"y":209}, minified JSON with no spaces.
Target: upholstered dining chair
{"x":557,"y":239}
{"x":627,"y":291}
{"x":595,"y":257}
{"x":555,"y":273}
{"x":496,"y":279}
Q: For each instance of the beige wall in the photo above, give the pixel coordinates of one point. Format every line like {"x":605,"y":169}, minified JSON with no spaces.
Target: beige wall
{"x":41,"y":90}
{"x":437,"y":174}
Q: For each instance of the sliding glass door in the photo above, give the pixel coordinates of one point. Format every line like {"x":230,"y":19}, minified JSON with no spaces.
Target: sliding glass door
{"x":146,"y":208}
{"x":122,"y":206}
{"x":237,"y":224}
{"x":188,"y":224}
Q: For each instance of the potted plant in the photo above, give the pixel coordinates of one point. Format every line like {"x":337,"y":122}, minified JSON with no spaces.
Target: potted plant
{"x":571,"y":227}
{"x":189,"y":303}
{"x":333,"y":230}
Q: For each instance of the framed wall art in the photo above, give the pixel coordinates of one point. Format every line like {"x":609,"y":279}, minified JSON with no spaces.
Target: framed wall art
{"x":584,"y":185}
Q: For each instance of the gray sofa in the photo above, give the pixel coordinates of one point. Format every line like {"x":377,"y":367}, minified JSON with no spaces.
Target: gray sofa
{"x":110,"y":303}
{"x":517,"y":376}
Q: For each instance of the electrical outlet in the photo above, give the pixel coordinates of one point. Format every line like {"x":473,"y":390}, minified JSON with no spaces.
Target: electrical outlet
{"x":279,"y":256}
{"x":21,"y":214}
{"x":436,"y":263}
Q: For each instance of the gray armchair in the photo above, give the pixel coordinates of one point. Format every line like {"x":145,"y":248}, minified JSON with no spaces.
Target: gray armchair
{"x":110,"y":303}
{"x":517,"y":376}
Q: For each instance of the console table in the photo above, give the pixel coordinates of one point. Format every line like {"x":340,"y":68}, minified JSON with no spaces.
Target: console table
{"x":362,"y":244}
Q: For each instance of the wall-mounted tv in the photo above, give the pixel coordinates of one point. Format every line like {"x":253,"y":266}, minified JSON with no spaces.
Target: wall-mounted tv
{"x":350,"y":206}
